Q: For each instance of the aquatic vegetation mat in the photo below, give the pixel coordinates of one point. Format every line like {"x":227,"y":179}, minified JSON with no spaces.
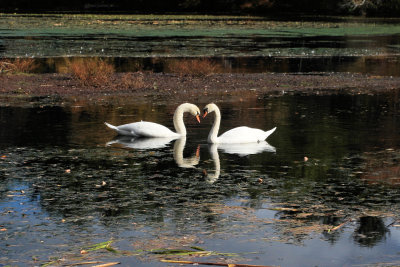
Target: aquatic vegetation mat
{"x":63,"y":35}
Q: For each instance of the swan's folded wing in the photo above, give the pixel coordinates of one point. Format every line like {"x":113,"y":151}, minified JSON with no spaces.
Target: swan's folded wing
{"x":242,"y":134}
{"x":127,"y":129}
{"x":151,"y":129}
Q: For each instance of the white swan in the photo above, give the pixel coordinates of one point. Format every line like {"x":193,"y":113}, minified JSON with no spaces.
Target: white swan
{"x":151,"y":129}
{"x":236,"y":135}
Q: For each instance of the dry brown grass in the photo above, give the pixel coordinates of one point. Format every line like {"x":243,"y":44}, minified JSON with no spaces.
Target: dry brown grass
{"x":133,"y":80}
{"x":91,"y":72}
{"x":195,"y":67}
{"x":18,"y":65}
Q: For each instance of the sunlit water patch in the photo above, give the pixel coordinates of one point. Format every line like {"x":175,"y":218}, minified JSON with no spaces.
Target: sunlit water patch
{"x":327,"y":176}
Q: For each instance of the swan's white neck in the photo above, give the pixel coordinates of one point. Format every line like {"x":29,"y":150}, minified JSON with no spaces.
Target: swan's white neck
{"x":213,"y":135}
{"x":178,"y":119}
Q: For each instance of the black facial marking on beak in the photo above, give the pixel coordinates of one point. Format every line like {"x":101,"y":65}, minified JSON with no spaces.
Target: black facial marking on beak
{"x":205,"y":112}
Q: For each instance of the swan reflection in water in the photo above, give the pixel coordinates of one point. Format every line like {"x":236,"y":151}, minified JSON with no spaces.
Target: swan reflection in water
{"x":246,"y":149}
{"x":155,"y":143}
{"x":238,"y":149}
{"x":190,"y":162}
{"x":182,"y":162}
{"x":141,"y":142}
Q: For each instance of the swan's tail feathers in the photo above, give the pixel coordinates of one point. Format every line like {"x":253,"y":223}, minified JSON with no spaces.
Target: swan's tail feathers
{"x":111,"y":126}
{"x":269,"y":132}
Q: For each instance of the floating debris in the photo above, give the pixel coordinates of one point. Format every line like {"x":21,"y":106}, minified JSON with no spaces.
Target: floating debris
{"x":215,"y":263}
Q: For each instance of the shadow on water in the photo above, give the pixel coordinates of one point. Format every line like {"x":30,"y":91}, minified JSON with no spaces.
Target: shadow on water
{"x":327,"y":175}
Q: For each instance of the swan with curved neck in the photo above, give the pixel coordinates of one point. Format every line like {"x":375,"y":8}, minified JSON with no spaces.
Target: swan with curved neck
{"x":241,"y":134}
{"x":151,"y":129}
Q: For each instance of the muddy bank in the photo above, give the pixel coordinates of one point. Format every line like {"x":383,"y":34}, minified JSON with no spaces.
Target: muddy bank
{"x":178,"y":87}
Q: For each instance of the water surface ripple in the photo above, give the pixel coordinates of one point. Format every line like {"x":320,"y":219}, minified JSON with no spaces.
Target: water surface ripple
{"x":328,"y":175}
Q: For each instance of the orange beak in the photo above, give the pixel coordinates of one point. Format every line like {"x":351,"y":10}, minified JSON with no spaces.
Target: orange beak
{"x":198,"y":118}
{"x":205,"y":114}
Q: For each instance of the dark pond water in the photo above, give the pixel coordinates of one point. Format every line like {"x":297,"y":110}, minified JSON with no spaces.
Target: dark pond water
{"x":323,"y":192}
